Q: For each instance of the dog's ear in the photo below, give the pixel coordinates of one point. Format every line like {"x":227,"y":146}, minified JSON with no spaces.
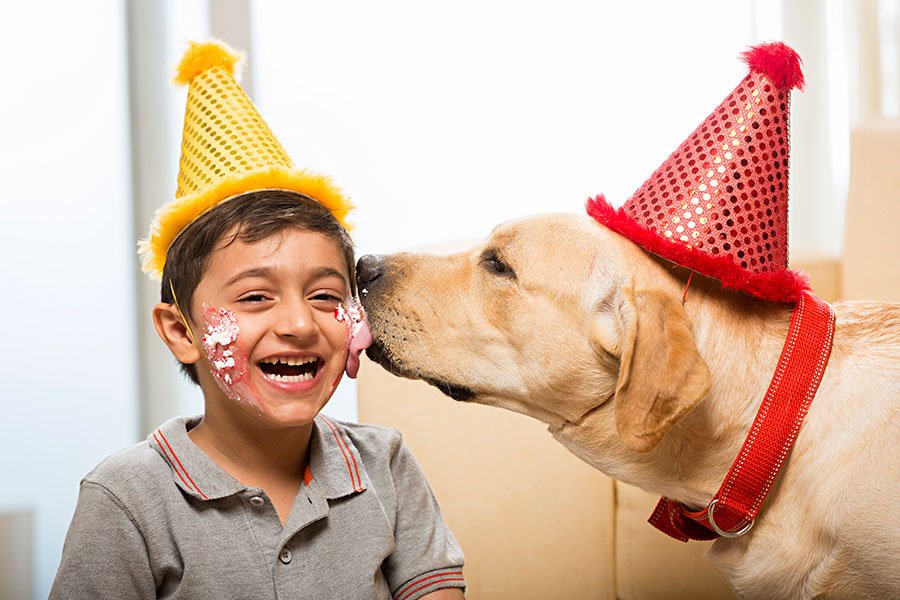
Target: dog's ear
{"x":661,"y":373}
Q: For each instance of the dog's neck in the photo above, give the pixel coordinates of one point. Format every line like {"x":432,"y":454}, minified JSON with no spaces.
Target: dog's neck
{"x":740,"y":339}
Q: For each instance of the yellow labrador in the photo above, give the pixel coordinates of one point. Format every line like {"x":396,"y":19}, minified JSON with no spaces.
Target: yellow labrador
{"x":561,"y":319}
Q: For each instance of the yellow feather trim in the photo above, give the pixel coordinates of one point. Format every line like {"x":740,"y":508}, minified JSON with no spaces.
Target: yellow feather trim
{"x":202,"y":56}
{"x":171,"y":219}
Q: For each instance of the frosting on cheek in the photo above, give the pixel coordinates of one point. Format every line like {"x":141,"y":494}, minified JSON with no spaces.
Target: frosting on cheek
{"x":229,"y":364}
{"x":351,"y":314}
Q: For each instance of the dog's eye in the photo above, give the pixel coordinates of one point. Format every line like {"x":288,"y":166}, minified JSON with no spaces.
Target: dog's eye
{"x":494,"y":264}
{"x":499,"y":266}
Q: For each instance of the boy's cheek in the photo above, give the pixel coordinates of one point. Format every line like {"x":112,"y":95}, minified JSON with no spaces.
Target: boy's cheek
{"x":223,"y":345}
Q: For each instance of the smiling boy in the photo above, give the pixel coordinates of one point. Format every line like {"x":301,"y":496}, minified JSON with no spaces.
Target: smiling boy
{"x":261,"y":496}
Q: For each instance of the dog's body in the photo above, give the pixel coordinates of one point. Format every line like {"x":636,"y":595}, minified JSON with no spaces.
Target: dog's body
{"x":561,"y":319}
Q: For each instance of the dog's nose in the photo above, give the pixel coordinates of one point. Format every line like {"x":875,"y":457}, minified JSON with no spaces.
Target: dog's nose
{"x":369,"y":269}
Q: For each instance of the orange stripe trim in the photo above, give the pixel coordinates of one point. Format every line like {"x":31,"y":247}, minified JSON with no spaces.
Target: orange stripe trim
{"x":346,"y":451}
{"x":418,"y":581}
{"x":343,"y":451}
{"x":171,"y":464}
{"x":307,"y":475}
{"x":407,"y":592}
{"x":353,"y":459}
{"x":188,"y":475}
{"x":355,"y":467}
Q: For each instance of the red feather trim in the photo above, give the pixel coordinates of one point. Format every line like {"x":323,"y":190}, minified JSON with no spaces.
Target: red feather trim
{"x":778,"y":62}
{"x":776,"y":286}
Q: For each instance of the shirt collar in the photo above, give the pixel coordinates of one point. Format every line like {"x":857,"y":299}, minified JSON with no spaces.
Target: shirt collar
{"x":334,"y":461}
{"x":192,"y":470}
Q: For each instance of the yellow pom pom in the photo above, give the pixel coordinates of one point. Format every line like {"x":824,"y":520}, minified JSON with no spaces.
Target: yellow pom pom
{"x":202,"y":56}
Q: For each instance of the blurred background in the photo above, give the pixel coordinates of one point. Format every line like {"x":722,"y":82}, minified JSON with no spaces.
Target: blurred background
{"x":439,"y":119}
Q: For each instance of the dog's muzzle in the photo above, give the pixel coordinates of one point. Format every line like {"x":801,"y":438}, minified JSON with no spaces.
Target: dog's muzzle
{"x":371,"y":277}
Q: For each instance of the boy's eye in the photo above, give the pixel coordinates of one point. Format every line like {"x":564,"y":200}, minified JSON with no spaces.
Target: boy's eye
{"x":327,"y":297}
{"x":253,"y":298}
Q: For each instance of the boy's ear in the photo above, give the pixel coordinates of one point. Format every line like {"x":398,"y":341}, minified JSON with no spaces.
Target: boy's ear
{"x":172,"y":331}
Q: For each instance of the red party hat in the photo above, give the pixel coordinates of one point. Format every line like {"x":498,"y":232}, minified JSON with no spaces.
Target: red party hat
{"x":719,"y":204}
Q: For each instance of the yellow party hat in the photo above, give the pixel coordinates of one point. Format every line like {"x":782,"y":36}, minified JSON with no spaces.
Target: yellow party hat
{"x":227,"y":149}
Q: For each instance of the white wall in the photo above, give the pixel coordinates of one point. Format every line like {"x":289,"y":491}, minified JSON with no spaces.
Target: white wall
{"x":67,"y":359}
{"x":443,"y":119}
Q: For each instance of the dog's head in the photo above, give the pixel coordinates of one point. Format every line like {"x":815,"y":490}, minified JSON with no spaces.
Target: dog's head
{"x":554,"y":317}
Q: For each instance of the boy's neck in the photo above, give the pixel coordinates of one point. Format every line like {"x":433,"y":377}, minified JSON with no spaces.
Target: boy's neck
{"x":253,"y":453}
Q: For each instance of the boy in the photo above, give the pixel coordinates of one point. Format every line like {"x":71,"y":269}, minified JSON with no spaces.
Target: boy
{"x":261,"y":497}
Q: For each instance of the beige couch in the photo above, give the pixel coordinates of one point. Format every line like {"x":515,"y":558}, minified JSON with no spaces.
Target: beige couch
{"x":536,"y":522}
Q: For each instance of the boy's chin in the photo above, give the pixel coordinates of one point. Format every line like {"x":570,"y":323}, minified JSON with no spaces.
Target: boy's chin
{"x":288,"y":416}
{"x":293,"y":409}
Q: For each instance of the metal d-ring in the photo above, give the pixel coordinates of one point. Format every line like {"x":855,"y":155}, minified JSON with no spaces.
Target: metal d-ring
{"x":722,"y":532}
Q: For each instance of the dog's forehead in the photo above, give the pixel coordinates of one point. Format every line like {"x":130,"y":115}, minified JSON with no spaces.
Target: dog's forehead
{"x":553,"y":253}
{"x":542,"y":233}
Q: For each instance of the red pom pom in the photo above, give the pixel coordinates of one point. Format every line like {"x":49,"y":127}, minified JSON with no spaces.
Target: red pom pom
{"x":778,"y":62}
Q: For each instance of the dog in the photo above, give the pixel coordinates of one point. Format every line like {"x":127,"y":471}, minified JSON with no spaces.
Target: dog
{"x":561,"y":319}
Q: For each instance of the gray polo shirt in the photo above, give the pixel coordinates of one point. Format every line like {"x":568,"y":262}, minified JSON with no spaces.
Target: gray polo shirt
{"x":162,"y":520}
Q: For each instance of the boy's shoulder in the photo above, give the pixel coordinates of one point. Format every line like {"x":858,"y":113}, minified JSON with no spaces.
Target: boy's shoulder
{"x":138,"y":464}
{"x":386,"y":461}
{"x":139,"y":475}
{"x":367,"y":437}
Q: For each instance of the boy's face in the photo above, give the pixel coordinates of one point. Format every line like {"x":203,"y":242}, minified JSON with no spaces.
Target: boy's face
{"x":265,"y":317}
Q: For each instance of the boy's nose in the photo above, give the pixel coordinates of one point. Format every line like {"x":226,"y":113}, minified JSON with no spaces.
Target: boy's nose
{"x":369,"y":270}
{"x":296,"y":320}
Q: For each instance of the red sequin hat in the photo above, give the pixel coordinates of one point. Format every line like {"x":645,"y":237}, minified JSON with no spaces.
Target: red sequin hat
{"x":719,"y":204}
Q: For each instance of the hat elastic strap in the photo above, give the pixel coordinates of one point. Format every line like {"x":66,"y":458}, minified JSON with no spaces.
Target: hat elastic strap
{"x":184,"y":320}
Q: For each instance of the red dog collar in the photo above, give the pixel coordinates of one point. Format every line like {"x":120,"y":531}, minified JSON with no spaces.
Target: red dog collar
{"x":732,"y":511}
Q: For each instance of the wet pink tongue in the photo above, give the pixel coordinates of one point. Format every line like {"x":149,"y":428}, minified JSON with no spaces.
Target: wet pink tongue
{"x":359,"y":342}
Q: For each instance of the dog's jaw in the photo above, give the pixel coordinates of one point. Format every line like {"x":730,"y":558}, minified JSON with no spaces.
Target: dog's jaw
{"x":376,"y":352}
{"x":456,"y":392}
{"x":379,"y":354}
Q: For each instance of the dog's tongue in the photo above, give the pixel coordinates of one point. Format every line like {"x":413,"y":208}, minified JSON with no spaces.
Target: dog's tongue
{"x":359,"y":342}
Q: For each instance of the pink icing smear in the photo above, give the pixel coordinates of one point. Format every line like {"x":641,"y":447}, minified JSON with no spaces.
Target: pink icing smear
{"x":359,"y":336}
{"x":229,"y":365}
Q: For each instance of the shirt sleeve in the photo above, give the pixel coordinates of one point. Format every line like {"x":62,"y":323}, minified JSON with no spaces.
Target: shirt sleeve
{"x":427,"y":557}
{"x":104,"y":555}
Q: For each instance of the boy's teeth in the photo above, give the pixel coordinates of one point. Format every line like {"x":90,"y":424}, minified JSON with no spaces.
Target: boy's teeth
{"x":289,"y":378}
{"x":292,"y":361}
{"x":289,"y":369}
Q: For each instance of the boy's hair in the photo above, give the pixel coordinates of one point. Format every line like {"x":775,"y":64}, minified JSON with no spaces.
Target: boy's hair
{"x":257,"y":216}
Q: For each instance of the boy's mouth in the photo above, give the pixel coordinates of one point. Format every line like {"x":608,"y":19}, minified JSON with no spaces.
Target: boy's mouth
{"x":290,"y":369}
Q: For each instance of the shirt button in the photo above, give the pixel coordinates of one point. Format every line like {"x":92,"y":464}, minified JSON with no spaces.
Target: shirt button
{"x":285,"y":556}
{"x":257,"y":501}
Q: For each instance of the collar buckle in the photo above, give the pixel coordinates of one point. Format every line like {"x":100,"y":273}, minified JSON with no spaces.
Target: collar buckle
{"x":725,"y":534}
